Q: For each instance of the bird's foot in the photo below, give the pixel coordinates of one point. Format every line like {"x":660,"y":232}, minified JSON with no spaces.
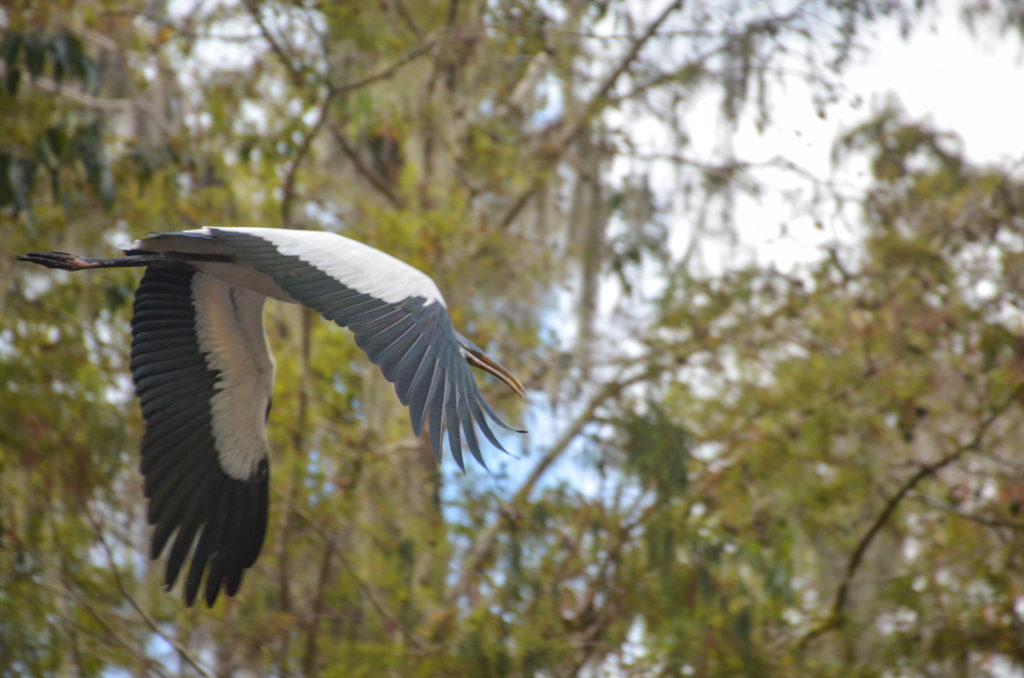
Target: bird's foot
{"x":61,"y":260}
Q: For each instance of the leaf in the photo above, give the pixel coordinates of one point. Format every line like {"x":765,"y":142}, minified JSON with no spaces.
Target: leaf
{"x":69,"y":53}
{"x":12,"y":79}
{"x":50,"y":150}
{"x":657,"y":450}
{"x":59,"y":50}
{"x":90,"y":75}
{"x":21,"y":174}
{"x":743,"y":627}
{"x":6,"y":193}
{"x":88,"y":144}
{"x":35,"y":55}
{"x":9,"y":48}
{"x":57,"y":140}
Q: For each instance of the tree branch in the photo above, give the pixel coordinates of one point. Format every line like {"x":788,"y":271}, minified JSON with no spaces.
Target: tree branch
{"x":288,"y":187}
{"x":275,"y":46}
{"x":333,"y":91}
{"x":484,"y":545}
{"x":987,"y":521}
{"x":371,"y":595}
{"x":570,"y":129}
{"x":386,"y":72}
{"x":182,"y":651}
{"x":835,"y":618}
{"x":103,"y":619}
{"x":363,"y":169}
{"x":316,"y":608}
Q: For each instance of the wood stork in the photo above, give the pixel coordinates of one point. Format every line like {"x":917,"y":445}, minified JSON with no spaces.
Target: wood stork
{"x":204,"y":373}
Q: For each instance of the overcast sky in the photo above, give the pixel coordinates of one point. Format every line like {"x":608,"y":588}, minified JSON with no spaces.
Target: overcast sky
{"x":972,"y":86}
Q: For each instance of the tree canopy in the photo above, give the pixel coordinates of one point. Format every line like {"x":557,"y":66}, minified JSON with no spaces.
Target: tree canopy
{"x":730,"y":471}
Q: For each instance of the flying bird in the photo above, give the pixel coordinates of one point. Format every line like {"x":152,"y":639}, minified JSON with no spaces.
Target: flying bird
{"x":204,"y":373}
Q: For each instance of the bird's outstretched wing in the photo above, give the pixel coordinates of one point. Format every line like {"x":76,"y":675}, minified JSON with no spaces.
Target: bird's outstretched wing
{"x":397,"y":315}
{"x":204,"y":375}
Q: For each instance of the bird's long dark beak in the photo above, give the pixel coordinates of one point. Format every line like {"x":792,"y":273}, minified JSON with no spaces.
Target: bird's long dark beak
{"x":477,"y":358}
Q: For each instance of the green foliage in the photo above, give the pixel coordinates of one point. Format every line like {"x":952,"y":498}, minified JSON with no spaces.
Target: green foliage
{"x":57,"y":139}
{"x":866,"y":435}
{"x":779,"y":474}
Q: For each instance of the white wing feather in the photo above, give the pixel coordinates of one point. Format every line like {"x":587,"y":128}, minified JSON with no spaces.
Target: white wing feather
{"x":229,"y":328}
{"x":353,"y":264}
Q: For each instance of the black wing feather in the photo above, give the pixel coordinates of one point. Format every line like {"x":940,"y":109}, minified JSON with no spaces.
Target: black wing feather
{"x":190,"y":495}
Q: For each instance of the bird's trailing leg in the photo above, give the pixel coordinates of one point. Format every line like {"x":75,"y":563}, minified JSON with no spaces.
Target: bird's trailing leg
{"x":74,"y":262}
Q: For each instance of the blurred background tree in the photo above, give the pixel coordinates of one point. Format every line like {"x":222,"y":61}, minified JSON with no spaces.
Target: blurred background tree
{"x":731,"y":472}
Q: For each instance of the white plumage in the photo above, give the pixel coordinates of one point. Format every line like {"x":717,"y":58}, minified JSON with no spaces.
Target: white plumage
{"x":229,"y":333}
{"x":352,"y":263}
{"x":204,"y":373}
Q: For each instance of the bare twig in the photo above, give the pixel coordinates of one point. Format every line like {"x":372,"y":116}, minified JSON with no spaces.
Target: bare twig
{"x":182,"y":651}
{"x":597,"y":101}
{"x":333,"y":91}
{"x":275,"y":45}
{"x":288,"y":187}
{"x":364,"y":170}
{"x":378,"y":183}
{"x":309,"y":655}
{"x":386,"y":72}
{"x":407,"y":19}
{"x":94,"y":103}
{"x":102,"y":618}
{"x":987,"y":521}
{"x":569,"y":129}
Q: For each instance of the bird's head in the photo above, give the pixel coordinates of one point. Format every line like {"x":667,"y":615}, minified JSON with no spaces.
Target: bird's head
{"x":476,"y":357}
